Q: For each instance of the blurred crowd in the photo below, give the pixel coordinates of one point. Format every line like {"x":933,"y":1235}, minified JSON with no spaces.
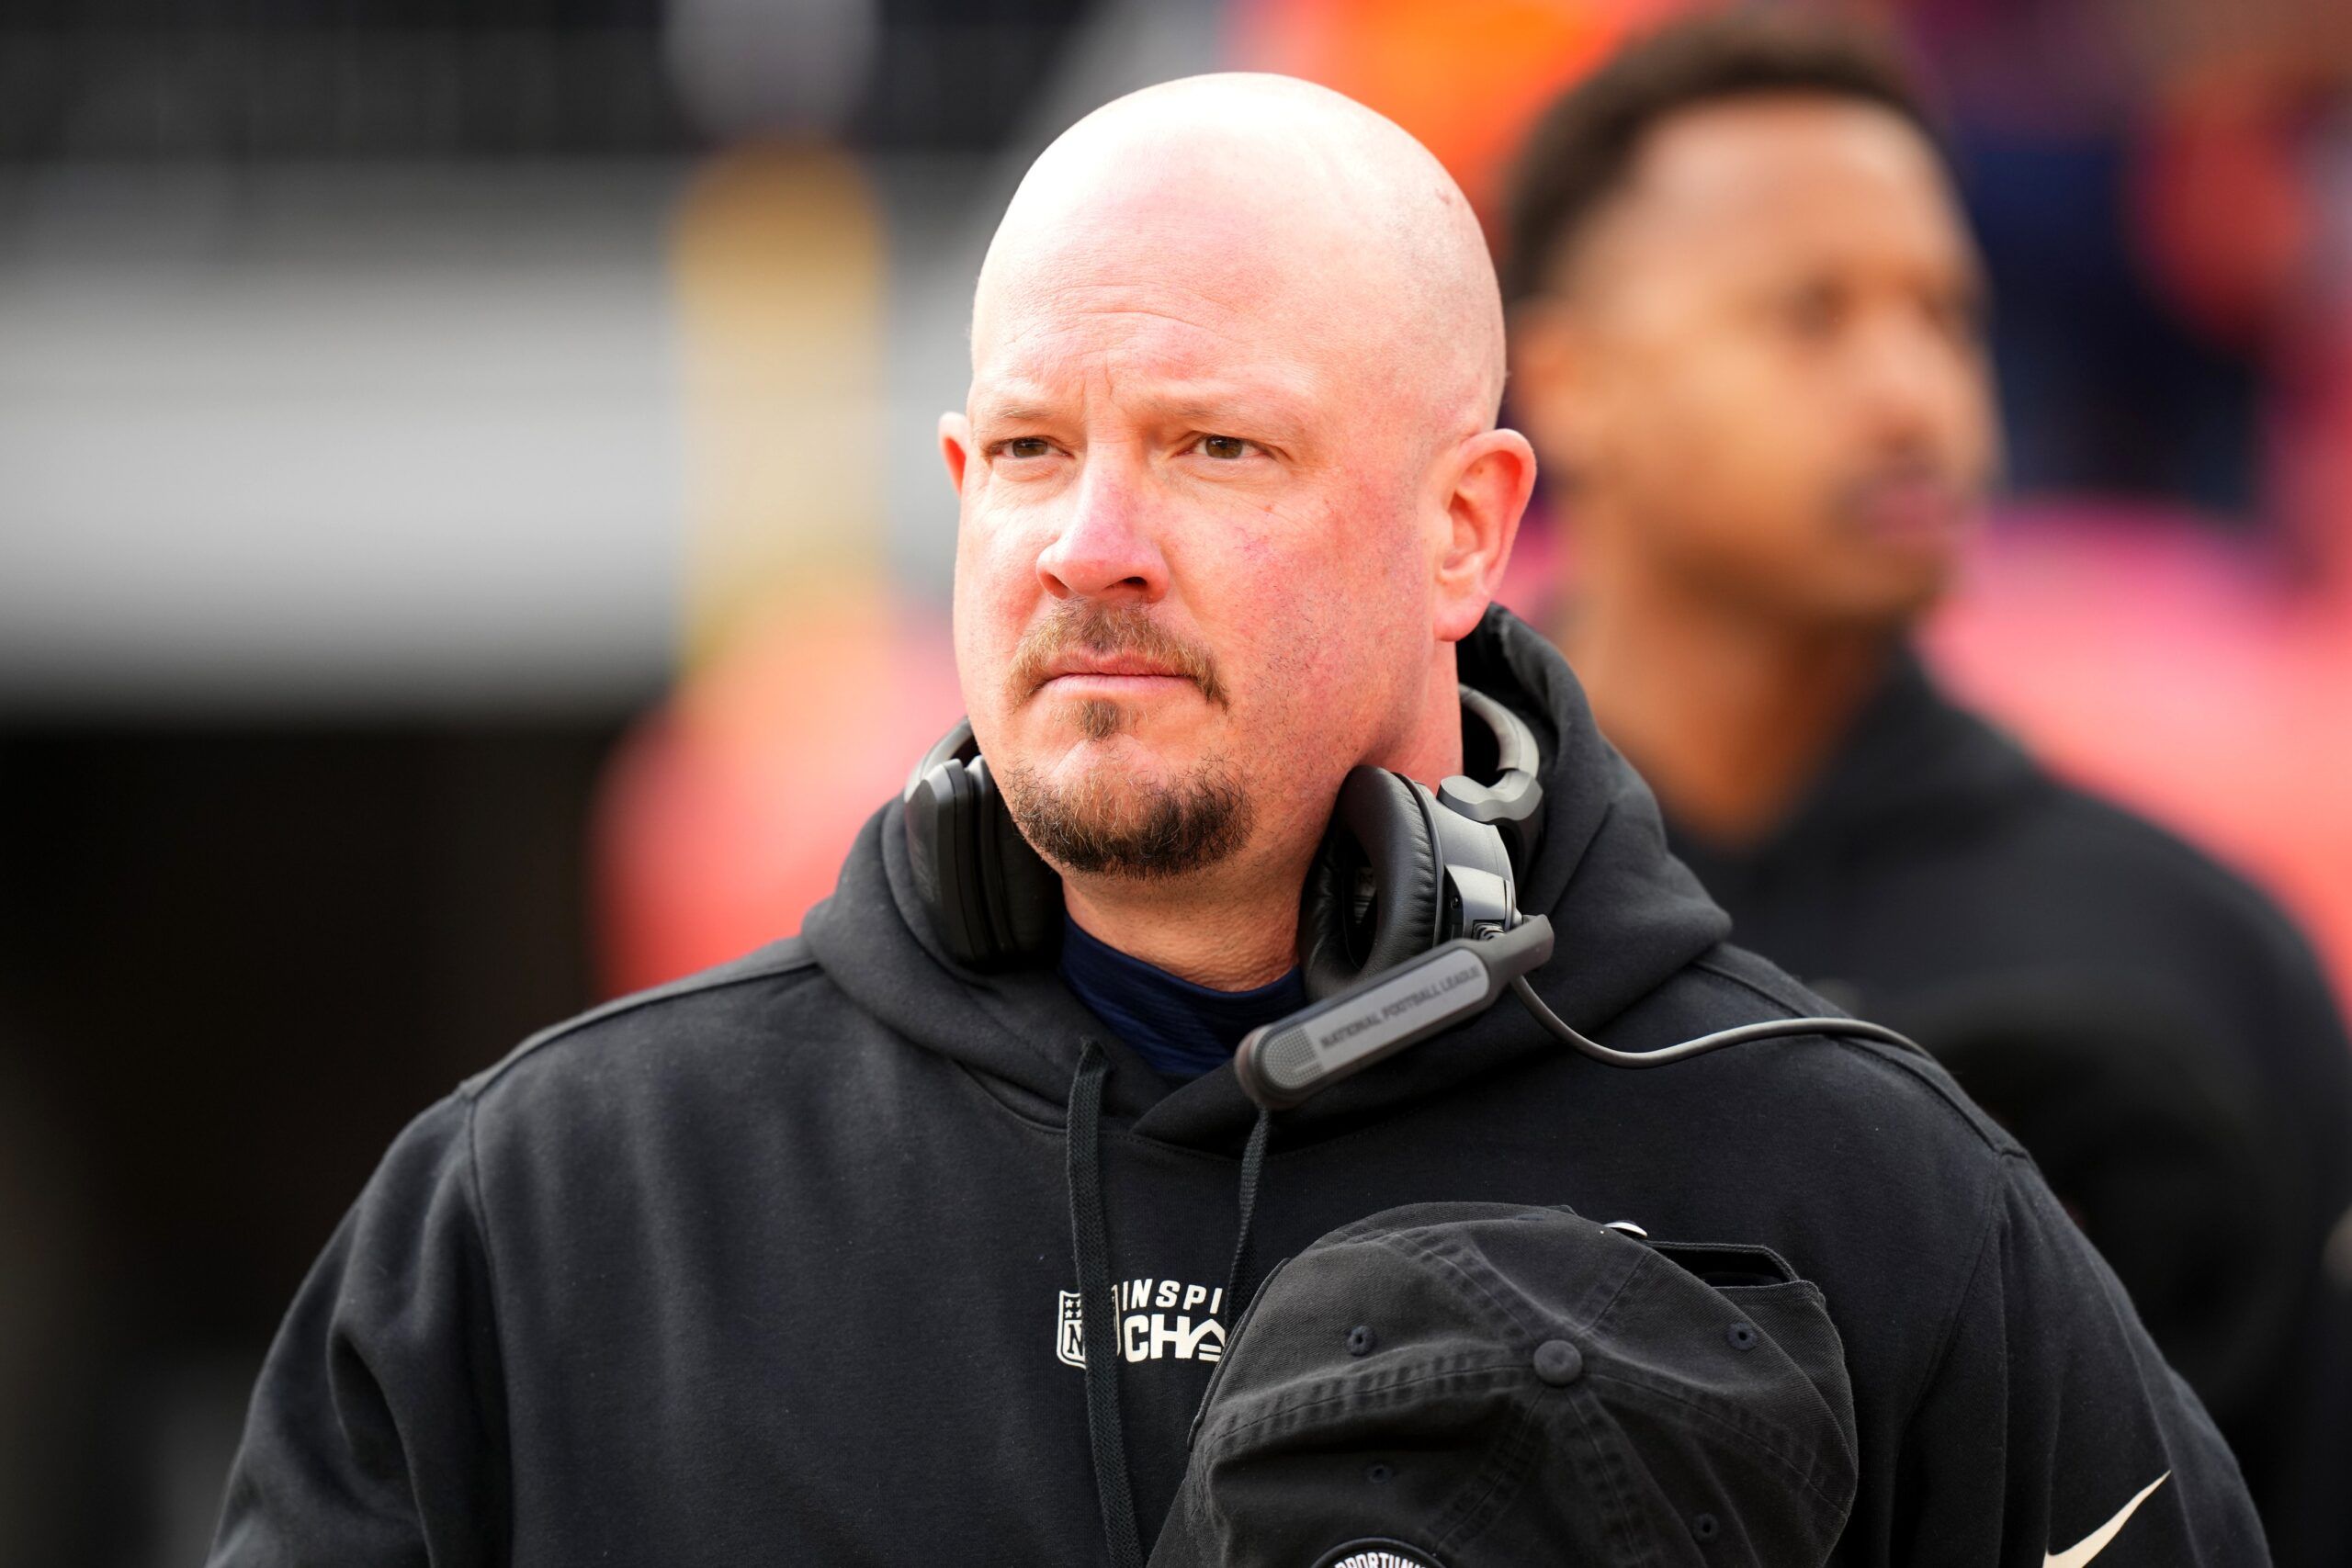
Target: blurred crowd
{"x":472,"y":541}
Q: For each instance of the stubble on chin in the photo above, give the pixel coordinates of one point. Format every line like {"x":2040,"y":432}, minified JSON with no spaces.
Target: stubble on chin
{"x":1100,"y":718}
{"x":1106,"y":825}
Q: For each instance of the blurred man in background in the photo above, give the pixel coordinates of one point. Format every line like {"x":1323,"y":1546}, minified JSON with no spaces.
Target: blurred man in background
{"x":1746,"y":343}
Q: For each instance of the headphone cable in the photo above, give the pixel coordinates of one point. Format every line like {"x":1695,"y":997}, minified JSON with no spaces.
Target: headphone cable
{"x":1771,"y":1029}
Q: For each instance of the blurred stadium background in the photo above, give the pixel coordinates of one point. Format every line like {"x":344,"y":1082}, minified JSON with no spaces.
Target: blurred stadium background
{"x":471,"y":539}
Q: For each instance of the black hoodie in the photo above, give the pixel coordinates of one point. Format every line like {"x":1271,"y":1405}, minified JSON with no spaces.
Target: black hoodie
{"x":2152,"y":1027}
{"x":774,"y":1265}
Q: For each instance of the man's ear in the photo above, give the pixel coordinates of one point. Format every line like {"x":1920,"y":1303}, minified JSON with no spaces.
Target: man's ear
{"x":956,"y":445}
{"x":1493,"y":473}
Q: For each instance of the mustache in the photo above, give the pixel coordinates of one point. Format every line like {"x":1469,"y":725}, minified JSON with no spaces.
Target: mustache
{"x":1904,"y":469}
{"x":1104,"y":631}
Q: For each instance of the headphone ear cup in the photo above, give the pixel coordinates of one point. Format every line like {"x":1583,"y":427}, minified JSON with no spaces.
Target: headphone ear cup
{"x":1021,"y":896}
{"x":1382,"y":832}
{"x":993,"y":901}
{"x":939,"y":851}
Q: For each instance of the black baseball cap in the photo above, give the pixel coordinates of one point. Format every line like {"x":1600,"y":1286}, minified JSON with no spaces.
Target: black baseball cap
{"x":1487,"y":1385}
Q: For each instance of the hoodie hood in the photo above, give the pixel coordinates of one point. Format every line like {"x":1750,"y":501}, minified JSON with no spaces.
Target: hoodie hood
{"x":1625,"y":915}
{"x":1909,"y":759}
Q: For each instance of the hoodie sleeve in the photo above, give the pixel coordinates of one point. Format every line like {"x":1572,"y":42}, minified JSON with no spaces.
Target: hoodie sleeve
{"x":2305,"y":1426}
{"x":375,"y":1433}
{"x":2052,"y":1433}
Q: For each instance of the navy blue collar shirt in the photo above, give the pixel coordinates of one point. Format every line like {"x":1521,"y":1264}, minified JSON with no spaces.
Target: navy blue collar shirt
{"x":1180,"y":1029}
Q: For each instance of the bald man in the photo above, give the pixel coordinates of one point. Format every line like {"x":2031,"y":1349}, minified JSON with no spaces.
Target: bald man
{"x":918,"y":1238}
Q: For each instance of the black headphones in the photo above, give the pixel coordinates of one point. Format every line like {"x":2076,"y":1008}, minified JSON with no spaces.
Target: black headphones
{"x":993,"y":901}
{"x":1408,"y":923}
{"x":1400,"y":870}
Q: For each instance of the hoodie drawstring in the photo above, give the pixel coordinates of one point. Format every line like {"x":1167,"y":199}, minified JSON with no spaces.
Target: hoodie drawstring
{"x":1099,"y":1312}
{"x":1099,"y":1315}
{"x":1253,"y":1165}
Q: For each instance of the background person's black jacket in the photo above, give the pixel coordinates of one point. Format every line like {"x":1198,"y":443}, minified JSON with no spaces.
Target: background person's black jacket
{"x":2152,"y":1028}
{"x":770,"y":1266}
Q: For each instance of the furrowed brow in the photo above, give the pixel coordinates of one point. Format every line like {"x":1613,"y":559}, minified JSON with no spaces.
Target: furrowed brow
{"x":1010,"y":411}
{"x":1261,"y":409}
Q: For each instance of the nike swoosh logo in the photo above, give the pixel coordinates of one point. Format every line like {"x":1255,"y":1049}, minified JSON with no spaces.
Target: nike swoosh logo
{"x":2091,"y":1545}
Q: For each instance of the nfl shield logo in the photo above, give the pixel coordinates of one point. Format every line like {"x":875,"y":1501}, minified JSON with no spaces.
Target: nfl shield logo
{"x":1069,"y":1332}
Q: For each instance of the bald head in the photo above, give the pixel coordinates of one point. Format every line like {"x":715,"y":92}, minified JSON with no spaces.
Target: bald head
{"x":1270,"y":205}
{"x":1229,"y":491}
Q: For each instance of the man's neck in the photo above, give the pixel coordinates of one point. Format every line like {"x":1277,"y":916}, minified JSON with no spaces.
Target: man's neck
{"x":1225,"y":934}
{"x":1729,"y":714}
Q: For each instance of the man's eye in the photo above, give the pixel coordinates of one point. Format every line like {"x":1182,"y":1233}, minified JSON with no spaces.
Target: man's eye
{"x":1226,"y":447}
{"x":1026,"y":447}
{"x":1814,"y":314}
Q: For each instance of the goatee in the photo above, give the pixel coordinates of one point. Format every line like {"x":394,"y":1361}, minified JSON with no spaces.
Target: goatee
{"x":1114,"y":828}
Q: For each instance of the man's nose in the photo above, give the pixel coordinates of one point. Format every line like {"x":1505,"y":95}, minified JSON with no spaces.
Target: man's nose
{"x":1107,"y":550}
{"x":1913,"y":380}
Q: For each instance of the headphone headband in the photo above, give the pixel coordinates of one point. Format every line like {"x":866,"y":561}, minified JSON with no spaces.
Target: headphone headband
{"x":1513,"y":804}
